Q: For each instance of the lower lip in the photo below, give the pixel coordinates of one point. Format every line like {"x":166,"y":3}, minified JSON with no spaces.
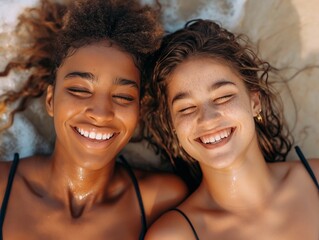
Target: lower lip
{"x":218,"y":144}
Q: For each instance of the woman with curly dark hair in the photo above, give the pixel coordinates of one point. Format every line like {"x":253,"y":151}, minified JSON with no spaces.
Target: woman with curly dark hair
{"x":86,"y":57}
{"x":211,"y":103}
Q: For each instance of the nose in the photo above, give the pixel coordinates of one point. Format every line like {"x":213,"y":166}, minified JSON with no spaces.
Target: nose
{"x":208,"y":113}
{"x":101,"y":110}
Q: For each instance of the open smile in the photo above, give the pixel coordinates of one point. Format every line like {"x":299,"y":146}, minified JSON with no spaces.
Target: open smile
{"x":215,"y":138}
{"x":95,"y":135}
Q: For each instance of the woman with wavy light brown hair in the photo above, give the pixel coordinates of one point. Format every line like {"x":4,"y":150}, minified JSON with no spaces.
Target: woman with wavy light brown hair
{"x":86,"y":57}
{"x":211,"y":103}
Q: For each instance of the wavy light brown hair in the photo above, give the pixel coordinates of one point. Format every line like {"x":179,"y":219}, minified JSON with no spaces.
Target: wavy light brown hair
{"x":56,"y":31}
{"x":208,"y":39}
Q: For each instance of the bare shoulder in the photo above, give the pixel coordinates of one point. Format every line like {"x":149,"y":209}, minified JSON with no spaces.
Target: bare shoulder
{"x":314,"y":164}
{"x":164,"y":182}
{"x":4,"y":174}
{"x":27,"y":167}
{"x":161,"y":192}
{"x":297,"y":165}
{"x":297,"y":171}
{"x":5,"y":168}
{"x":4,"y":171}
{"x":170,"y":226}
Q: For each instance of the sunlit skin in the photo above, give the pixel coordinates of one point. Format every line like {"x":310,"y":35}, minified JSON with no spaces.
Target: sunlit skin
{"x":213,"y":108}
{"x":94,"y":94}
{"x":241,"y":196}
{"x":79,"y":192}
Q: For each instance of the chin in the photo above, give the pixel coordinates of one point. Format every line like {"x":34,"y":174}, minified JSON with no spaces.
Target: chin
{"x":222,"y":161}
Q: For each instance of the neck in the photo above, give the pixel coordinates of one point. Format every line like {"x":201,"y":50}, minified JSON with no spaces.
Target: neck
{"x":77,"y":186}
{"x":245,"y":186}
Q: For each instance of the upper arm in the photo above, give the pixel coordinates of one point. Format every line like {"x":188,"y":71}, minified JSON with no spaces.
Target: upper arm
{"x":163,"y":192}
{"x":171,"y":226}
{"x":171,"y":188}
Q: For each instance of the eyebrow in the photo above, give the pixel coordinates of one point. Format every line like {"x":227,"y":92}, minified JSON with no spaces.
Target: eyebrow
{"x":126,"y":82}
{"x":221,"y":83}
{"x":215,"y":86}
{"x":85,"y":75}
{"x":91,"y":77}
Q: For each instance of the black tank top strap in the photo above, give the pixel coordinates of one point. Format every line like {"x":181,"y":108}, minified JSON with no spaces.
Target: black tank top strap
{"x":5,"y":200}
{"x":138,"y":194}
{"x":307,"y":166}
{"x":188,"y":220}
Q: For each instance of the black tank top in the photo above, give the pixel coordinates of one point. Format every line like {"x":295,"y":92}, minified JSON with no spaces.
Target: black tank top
{"x":122,"y":160}
{"x":138,"y":194}
{"x":304,"y":162}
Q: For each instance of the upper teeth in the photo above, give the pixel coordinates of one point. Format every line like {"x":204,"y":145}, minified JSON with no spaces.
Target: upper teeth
{"x":216,"y":137}
{"x":94,"y":135}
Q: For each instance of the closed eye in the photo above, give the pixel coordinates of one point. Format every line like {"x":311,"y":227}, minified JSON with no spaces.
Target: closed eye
{"x":81,"y":92}
{"x":187,"y":110}
{"x":223,"y":99}
{"x":123,"y":99}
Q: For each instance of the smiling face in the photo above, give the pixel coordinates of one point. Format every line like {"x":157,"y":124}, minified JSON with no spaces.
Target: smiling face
{"x":95,"y":103}
{"x":212,"y":112}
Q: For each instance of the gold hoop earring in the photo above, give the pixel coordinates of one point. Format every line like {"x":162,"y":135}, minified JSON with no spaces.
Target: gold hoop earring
{"x":259,"y":117}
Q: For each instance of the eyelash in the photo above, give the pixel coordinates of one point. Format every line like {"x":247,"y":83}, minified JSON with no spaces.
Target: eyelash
{"x":223,"y":99}
{"x":186,"y":111}
{"x":78,"y":90}
{"x":219,"y":100}
{"x":126,"y":98}
{"x":121,"y":99}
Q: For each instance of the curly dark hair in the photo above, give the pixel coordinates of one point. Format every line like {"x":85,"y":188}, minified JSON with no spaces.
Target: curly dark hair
{"x":208,"y":39}
{"x":57,"y":30}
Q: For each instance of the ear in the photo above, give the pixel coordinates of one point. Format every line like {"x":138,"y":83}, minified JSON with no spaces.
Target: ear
{"x":255,"y":103}
{"x":49,"y":100}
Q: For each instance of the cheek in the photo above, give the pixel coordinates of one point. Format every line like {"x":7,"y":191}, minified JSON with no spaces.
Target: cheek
{"x":64,"y":106}
{"x":242,"y":114}
{"x":239,"y":109}
{"x":129,"y":116}
{"x":183,"y":130}
{"x":63,"y":113}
